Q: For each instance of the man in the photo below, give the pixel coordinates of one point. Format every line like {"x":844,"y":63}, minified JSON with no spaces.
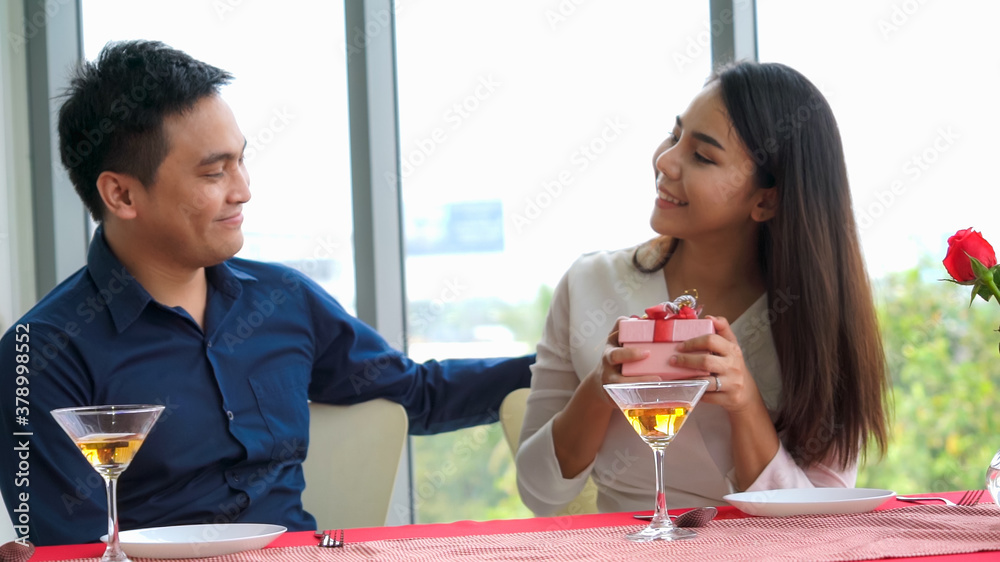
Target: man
{"x":164,"y":314}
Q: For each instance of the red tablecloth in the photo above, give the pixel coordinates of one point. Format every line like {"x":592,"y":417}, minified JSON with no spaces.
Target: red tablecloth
{"x":471,"y":528}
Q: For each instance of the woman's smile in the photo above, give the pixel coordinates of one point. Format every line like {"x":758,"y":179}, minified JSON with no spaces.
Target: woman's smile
{"x":666,"y":200}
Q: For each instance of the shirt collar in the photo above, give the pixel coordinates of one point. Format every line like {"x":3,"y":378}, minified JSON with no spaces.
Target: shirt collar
{"x":126,"y":298}
{"x":227,"y":278}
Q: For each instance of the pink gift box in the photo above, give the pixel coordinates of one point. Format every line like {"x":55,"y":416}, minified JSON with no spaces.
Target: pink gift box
{"x":671,"y":330}
{"x":661,"y":338}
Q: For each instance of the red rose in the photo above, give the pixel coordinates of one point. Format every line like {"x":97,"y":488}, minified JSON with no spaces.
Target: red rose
{"x":963,"y":245}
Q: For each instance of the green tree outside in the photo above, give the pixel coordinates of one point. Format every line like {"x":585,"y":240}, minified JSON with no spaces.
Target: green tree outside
{"x":945,"y":366}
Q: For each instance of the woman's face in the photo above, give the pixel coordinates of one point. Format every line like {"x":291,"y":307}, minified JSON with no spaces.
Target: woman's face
{"x":704,"y":175}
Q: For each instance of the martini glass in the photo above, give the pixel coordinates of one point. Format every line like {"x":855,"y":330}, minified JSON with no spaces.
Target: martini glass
{"x":109,"y":436}
{"x":657,"y":410}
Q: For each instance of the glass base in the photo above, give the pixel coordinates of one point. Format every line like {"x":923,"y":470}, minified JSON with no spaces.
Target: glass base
{"x":111,"y":556}
{"x":670,"y":533}
{"x":993,"y":478}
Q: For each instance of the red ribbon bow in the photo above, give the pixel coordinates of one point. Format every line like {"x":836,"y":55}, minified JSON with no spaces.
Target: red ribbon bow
{"x":663,"y":311}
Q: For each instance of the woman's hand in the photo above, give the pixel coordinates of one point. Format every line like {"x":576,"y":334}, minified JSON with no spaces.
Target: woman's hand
{"x":609,"y":370}
{"x":730,"y":384}
{"x":578,"y":430}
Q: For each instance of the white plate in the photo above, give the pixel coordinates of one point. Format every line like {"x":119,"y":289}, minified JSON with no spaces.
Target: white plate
{"x":809,"y":501}
{"x":197,"y":541}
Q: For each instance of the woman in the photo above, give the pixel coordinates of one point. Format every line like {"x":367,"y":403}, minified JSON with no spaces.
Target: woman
{"x":754,"y":212}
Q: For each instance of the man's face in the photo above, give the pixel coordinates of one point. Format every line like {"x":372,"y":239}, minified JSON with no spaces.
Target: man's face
{"x":191,"y":215}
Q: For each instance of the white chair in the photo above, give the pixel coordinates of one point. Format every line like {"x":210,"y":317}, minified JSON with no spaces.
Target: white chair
{"x":351,"y":465}
{"x":7,"y":532}
{"x":512,"y":418}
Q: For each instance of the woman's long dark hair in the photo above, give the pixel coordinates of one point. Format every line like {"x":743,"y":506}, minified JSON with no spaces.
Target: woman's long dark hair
{"x":833,"y":371}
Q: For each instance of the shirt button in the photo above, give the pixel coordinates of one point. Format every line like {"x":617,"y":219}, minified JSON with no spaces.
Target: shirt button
{"x":229,"y":414}
{"x":208,"y":344}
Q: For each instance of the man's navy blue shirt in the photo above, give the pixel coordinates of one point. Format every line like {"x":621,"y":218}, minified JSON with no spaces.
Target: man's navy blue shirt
{"x":229,"y":445}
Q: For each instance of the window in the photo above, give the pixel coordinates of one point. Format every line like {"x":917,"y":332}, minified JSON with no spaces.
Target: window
{"x":916,"y":109}
{"x":526,"y":138}
{"x":291,"y":104}
{"x":526,"y":131}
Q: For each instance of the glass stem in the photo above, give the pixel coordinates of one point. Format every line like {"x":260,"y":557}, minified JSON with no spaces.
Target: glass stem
{"x":114,"y":550}
{"x":660,"y":518}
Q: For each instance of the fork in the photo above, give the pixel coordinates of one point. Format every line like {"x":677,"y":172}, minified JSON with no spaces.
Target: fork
{"x":969,"y":498}
{"x":924,"y":498}
{"x":332,"y":539}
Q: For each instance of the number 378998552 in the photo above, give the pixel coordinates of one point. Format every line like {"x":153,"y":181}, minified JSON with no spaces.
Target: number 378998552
{"x":22,"y":350}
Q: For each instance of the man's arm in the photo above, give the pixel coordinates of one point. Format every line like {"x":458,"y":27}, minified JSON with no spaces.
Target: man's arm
{"x":355,"y":364}
{"x":52,"y":495}
{"x":465,"y":392}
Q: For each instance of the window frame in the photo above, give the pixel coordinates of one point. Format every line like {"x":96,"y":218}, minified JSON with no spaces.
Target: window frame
{"x":55,"y":234}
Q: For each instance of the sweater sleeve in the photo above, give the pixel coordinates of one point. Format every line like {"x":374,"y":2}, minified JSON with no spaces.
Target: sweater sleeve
{"x":554,"y":380}
{"x":782,"y":472}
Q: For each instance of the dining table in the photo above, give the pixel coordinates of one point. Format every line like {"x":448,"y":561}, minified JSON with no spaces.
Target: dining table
{"x":894,"y":530}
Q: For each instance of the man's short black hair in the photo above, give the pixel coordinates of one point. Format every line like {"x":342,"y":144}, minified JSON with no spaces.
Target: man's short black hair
{"x":113,"y":117}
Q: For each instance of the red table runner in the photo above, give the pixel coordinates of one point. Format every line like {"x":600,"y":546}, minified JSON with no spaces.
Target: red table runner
{"x":904,"y":532}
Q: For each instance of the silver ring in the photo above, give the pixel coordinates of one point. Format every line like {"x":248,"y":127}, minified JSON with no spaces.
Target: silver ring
{"x":718,"y":384}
